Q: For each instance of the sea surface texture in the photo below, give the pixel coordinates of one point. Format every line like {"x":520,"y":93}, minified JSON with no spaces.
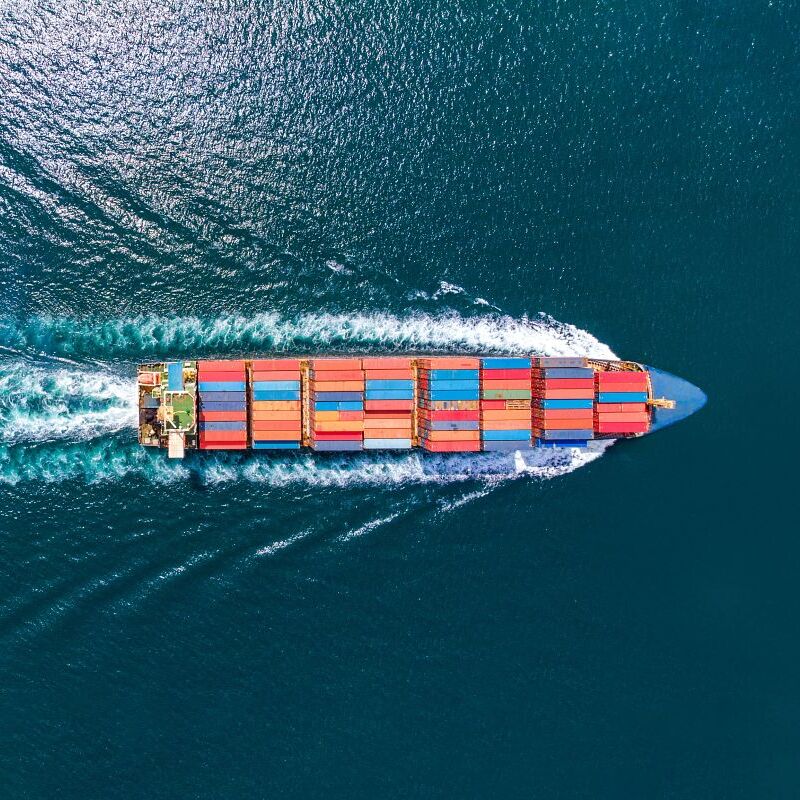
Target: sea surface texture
{"x":233,"y":178}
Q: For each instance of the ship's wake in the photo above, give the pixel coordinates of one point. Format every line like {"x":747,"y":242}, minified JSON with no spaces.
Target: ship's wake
{"x":48,"y":404}
{"x":185,"y":337}
{"x":75,"y":419}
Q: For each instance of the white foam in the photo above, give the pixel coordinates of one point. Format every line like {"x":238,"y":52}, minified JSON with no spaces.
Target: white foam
{"x":159,"y":337}
{"x":39,"y":404}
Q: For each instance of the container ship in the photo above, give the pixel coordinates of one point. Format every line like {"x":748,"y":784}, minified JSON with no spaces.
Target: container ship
{"x":441,"y":404}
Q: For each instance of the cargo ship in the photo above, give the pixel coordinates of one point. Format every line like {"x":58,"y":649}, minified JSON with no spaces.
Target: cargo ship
{"x":440,"y":404}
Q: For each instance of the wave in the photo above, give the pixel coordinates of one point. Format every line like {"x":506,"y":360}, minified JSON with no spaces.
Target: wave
{"x":163,"y":337}
{"x":112,"y":460}
{"x":43,"y":404}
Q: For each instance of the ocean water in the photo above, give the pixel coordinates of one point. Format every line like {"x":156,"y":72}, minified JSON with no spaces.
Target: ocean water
{"x":239,"y":177}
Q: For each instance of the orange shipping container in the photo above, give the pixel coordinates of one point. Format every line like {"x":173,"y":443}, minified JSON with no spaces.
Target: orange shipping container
{"x":563,"y":424}
{"x":224,"y":436}
{"x":270,"y":364}
{"x":275,"y":425}
{"x":505,"y":424}
{"x":338,"y":415}
{"x":452,"y":436}
{"x":337,"y":386}
{"x":620,"y":408}
{"x":439,"y":362}
{"x":388,"y":374}
{"x":338,"y":425}
{"x":275,"y":405}
{"x":220,"y":366}
{"x":387,"y":433}
{"x":337,"y":375}
{"x":336,"y":363}
{"x":387,"y":423}
{"x":280,"y":414}
{"x":386,"y":363}
{"x":562,"y":413}
{"x":644,"y":417}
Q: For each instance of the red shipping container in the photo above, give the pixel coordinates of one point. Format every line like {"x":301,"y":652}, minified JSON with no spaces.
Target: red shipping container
{"x":622,"y":387}
{"x":223,"y":436}
{"x":221,"y":376}
{"x":452,"y":447}
{"x":564,"y":383}
{"x":338,"y":436}
{"x":270,"y":364}
{"x":223,"y":416}
{"x":275,"y":375}
{"x":639,"y":378}
{"x":329,"y":364}
{"x":386,"y":363}
{"x":388,"y":405}
{"x":620,"y":408}
{"x":566,"y":394}
{"x":622,"y":427}
{"x":493,"y":405}
{"x":506,"y":374}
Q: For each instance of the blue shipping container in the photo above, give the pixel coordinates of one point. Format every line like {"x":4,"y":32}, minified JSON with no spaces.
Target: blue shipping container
{"x":451,"y":385}
{"x":489,"y":445}
{"x":223,"y":397}
{"x":622,"y":397}
{"x":396,"y":386}
{"x":221,"y":386}
{"x":516,"y":435}
{"x":268,"y":386}
{"x":327,"y":396}
{"x":223,"y":406}
{"x":569,"y":434}
{"x":282,"y":395}
{"x":386,"y":395}
{"x":223,"y":426}
{"x":334,"y":445}
{"x":461,"y":394}
{"x":451,"y":374}
{"x":569,"y":372}
{"x":565,"y":403}
{"x":276,"y":445}
{"x":506,"y":363}
{"x":340,"y":406}
{"x":564,"y":443}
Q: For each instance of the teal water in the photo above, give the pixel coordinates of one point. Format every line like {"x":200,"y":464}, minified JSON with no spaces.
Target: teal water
{"x":242,"y":177}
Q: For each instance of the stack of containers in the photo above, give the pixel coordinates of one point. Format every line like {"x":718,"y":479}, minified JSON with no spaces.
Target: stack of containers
{"x":222,"y":405}
{"x":505,"y":403}
{"x":337,"y":404}
{"x":389,"y":402}
{"x":621,"y":403}
{"x":275,"y":414}
{"x":449,"y":405}
{"x":563,"y":397}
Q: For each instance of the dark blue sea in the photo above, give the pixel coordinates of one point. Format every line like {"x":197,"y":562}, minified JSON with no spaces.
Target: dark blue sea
{"x":240,"y":177}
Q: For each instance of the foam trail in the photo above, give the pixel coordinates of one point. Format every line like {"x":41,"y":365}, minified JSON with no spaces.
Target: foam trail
{"x":110,"y":460}
{"x":39,"y":404}
{"x":191,"y":336}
